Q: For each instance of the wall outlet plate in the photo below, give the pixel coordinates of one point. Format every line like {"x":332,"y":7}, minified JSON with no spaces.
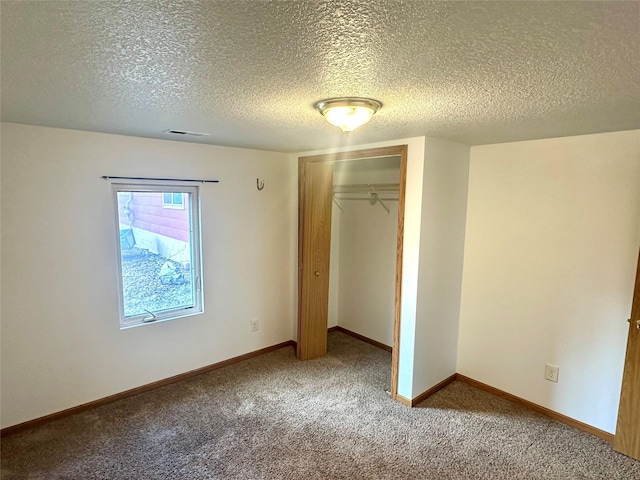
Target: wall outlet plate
{"x":254,"y":325}
{"x":551,"y":372}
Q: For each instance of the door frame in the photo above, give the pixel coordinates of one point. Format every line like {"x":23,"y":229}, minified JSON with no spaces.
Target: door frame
{"x":391,"y":151}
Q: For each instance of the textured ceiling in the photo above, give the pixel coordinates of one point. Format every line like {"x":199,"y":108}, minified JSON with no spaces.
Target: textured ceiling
{"x":248,"y":72}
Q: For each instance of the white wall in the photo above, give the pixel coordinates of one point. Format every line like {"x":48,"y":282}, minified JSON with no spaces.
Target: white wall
{"x":553,"y":231}
{"x":368,"y":170}
{"x":368,"y":237}
{"x":61,"y":342}
{"x":334,"y":268}
{"x":444,"y":208}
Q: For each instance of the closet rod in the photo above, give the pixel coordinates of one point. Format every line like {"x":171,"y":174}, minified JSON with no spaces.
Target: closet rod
{"x":342,"y":196}
{"x":372,"y":198}
{"x":366,"y":188}
{"x":109,"y":177}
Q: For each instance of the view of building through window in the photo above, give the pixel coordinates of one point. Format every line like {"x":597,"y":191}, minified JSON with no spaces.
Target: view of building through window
{"x":159,"y":253}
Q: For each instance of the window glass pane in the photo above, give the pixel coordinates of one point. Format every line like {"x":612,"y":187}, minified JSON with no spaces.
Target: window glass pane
{"x":166,"y":198}
{"x":157,"y":255}
{"x":177,"y":198}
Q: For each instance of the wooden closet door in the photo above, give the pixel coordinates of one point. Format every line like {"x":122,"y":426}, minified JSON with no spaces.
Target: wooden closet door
{"x":627,"y":439}
{"x":316,"y":195}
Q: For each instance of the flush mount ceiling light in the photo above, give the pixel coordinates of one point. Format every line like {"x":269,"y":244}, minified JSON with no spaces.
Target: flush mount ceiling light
{"x":347,"y":113}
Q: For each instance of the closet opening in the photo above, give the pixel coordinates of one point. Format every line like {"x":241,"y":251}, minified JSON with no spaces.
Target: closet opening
{"x":351,"y":211}
{"x":364,"y":222}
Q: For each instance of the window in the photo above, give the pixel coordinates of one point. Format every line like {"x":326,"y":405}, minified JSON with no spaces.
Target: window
{"x":173,"y":200}
{"x":159,"y":252}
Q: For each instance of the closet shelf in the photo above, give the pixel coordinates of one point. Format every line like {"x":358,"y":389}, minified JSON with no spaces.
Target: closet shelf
{"x":367,"y":188}
{"x":367,"y":191}
{"x":373,"y":192}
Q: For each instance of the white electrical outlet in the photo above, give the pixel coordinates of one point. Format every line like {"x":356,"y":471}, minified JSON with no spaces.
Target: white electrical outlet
{"x":254,"y":325}
{"x":551,"y":372}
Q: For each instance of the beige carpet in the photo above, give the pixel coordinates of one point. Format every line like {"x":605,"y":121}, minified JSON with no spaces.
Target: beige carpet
{"x":274,"y":417}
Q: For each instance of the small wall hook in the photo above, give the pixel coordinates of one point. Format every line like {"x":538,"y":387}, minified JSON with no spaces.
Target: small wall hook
{"x":259,"y":184}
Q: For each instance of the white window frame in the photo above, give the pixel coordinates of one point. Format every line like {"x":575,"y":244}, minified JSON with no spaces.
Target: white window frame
{"x":175,"y":206}
{"x":196,"y":253}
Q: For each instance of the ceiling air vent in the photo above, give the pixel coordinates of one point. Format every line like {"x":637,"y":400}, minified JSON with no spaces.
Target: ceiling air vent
{"x":185,"y":132}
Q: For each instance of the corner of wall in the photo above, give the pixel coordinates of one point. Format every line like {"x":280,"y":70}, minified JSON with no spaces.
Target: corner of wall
{"x":444,"y":210}
{"x":551,"y":244}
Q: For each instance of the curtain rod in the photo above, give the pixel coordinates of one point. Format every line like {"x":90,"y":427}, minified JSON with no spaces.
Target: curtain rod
{"x":108,"y":177}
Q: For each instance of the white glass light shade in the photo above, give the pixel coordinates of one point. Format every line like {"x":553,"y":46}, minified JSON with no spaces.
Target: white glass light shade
{"x":348,"y":113}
